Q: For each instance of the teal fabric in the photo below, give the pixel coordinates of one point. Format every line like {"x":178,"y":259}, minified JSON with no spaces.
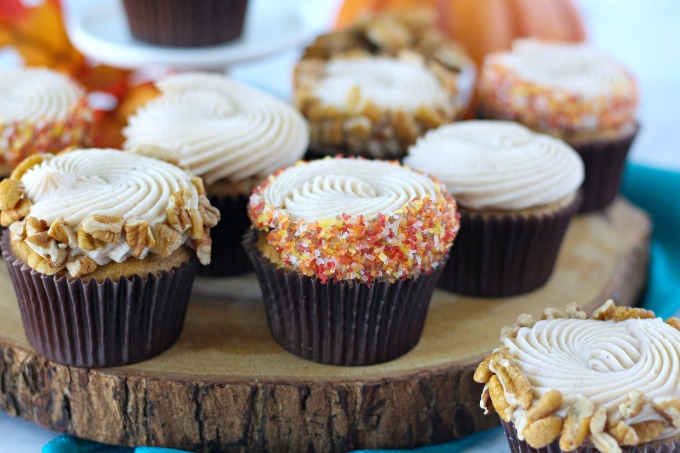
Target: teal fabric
{"x":653,"y":189}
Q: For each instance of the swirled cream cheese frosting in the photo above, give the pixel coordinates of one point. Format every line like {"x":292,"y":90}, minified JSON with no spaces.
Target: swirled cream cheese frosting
{"x":498,"y":164}
{"x":223,"y":129}
{"x":104,"y":205}
{"x":40,"y":110}
{"x":558,"y":87}
{"x":347,"y":219}
{"x":390,"y":83}
{"x":619,"y":370}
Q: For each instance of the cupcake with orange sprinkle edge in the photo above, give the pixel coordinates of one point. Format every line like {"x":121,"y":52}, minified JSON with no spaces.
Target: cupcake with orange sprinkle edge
{"x":572,"y":92}
{"x":348,"y":253}
{"x":41,"y":111}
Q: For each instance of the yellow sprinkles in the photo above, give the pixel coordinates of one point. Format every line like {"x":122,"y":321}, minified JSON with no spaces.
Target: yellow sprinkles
{"x":386,"y":246}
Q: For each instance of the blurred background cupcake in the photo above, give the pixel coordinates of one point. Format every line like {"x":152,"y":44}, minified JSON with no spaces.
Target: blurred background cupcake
{"x":609,"y":383}
{"x":516,"y":190}
{"x":348,"y":253}
{"x":101,"y":249}
{"x":41,"y":111}
{"x":232,"y":136}
{"x":570,"y":91}
{"x":181,"y":23}
{"x":371,"y":89}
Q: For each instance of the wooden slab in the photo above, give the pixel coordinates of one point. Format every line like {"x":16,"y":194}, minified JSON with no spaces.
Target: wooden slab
{"x":226,"y":385}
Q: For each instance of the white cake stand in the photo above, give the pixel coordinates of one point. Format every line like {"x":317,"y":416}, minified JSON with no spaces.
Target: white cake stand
{"x":99,"y":29}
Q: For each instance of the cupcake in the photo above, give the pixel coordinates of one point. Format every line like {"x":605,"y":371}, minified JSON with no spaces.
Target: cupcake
{"x":182,"y":23}
{"x":570,"y":91}
{"x":517,"y":191}
{"x":370,"y":90}
{"x":348,"y":253}
{"x":101,"y":249}
{"x":566,"y":383}
{"x":41,"y":111}
{"x":231,"y":135}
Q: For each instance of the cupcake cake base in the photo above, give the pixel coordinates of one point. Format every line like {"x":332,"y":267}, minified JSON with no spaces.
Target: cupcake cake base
{"x":226,"y":372}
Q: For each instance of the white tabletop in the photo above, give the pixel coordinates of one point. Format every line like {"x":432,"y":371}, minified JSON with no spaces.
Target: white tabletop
{"x":637,"y":32}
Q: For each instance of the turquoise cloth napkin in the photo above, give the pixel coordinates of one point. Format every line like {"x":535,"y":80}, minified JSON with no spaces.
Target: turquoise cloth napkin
{"x":654,"y":189}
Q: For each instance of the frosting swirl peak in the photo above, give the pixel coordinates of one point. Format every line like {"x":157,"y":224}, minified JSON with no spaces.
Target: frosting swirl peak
{"x":498,"y":164}
{"x":222,"y":129}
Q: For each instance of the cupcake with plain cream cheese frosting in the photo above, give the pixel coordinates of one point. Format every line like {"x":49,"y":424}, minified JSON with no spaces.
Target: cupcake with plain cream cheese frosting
{"x":348,"y":253}
{"x":608,"y":383}
{"x":516,"y":190}
{"x":372,"y":89}
{"x":101,"y":248}
{"x":232,"y":136}
{"x":570,"y":91}
{"x":41,"y":111}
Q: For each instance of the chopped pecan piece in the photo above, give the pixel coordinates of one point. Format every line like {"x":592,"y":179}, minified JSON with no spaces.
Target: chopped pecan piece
{"x":553,"y":313}
{"x":482,"y":373}
{"x":605,"y":311}
{"x":623,"y":433}
{"x":209,"y":213}
{"x":196,"y":231}
{"x":81,"y":265}
{"x":198,"y":184}
{"x":34,"y":226}
{"x":88,"y":242}
{"x":632,"y":405}
{"x":577,"y":424}
{"x":204,"y":247}
{"x":648,"y":430}
{"x":11,"y":191}
{"x":542,"y":432}
{"x":138,"y":236}
{"x":599,"y":421}
{"x":18,"y":229}
{"x":605,"y":443}
{"x":669,"y":408}
{"x":167,"y":240}
{"x":178,"y":214}
{"x":545,"y":406}
{"x":45,"y":246}
{"x":62,"y":232}
{"x":21,"y":210}
{"x":574,"y":311}
{"x":105,"y":228}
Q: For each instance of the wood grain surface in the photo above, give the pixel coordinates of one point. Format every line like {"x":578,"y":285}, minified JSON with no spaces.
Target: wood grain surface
{"x":227,"y":386}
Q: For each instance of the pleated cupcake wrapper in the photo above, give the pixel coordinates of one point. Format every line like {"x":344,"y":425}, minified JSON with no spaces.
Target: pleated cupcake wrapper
{"x":604,"y":161}
{"x":228,"y":256}
{"x":506,"y":254}
{"x":345,"y":323}
{"x":520,"y":446}
{"x":183,"y":23}
{"x":100,"y":324}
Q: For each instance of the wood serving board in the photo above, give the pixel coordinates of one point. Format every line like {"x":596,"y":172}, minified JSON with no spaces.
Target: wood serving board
{"x":226,"y":385}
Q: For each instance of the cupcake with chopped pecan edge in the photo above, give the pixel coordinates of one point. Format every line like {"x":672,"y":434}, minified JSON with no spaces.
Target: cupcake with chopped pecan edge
{"x":608,"y":383}
{"x":517,"y":192}
{"x":231,"y":135}
{"x":41,"y":111}
{"x":348,"y":253}
{"x":101,"y":248}
{"x":370,"y":90}
{"x":573,"y":92}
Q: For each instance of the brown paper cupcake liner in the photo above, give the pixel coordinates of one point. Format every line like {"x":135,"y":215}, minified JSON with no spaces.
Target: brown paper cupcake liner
{"x":228,"y":256}
{"x":520,"y":446}
{"x":344,"y":323}
{"x":604,"y":161}
{"x":183,"y":23}
{"x":100,"y":324}
{"x":505,"y":255}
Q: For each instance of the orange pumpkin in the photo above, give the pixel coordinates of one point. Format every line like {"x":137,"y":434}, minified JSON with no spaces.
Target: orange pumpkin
{"x":485,"y":25}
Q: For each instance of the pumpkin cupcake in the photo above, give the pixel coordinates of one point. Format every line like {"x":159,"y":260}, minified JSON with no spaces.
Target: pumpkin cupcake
{"x":609,"y":383}
{"x":570,"y":91}
{"x":370,"y":90}
{"x":517,"y":191}
{"x":231,"y":135}
{"x":348,"y":253}
{"x":41,"y":111}
{"x":101,"y":248}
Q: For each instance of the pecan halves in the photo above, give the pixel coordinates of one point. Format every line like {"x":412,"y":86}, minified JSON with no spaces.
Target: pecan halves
{"x":577,"y":424}
{"x":497,"y":395}
{"x":105,"y":228}
{"x":516,"y":385}
{"x":543,"y":432}
{"x":11,"y":191}
{"x":209,"y":213}
{"x":138,"y":236}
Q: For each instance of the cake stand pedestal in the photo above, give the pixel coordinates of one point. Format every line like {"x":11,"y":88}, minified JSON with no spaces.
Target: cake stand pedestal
{"x":226,"y":385}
